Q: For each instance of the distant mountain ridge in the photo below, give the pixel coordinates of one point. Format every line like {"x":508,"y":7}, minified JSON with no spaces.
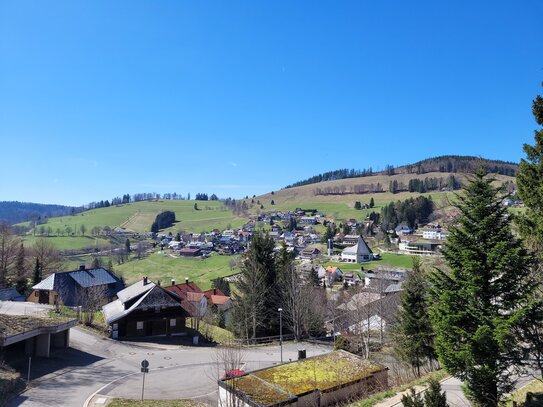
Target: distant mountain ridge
{"x":445,"y":163}
{"x":14,"y":211}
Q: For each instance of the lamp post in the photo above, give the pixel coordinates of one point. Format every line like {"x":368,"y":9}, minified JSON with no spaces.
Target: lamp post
{"x":281,"y":331}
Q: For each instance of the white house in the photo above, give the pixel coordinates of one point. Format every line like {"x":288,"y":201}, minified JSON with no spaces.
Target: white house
{"x":329,"y":274}
{"x":358,"y":253}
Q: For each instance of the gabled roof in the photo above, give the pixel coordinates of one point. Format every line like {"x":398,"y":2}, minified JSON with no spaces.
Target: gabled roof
{"x":194,"y":297}
{"x":10,"y":294}
{"x":93,"y":277}
{"x":146,"y":295}
{"x":361,"y":248}
{"x":182,"y":289}
{"x":134,"y":290}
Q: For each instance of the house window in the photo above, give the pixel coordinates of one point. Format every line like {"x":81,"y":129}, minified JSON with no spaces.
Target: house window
{"x":139,"y":325}
{"x":172,"y":322}
{"x":36,"y":294}
{"x":115,"y":326}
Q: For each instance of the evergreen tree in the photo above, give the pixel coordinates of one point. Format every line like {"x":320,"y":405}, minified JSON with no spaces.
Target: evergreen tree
{"x":357,"y":205}
{"x":255,"y":309}
{"x":372,"y":202}
{"x":21,"y":281}
{"x":480,"y":301}
{"x":314,"y":279}
{"x":127,"y":246}
{"x":530,"y":190}
{"x":36,"y":277}
{"x":433,"y":397}
{"x":196,"y":206}
{"x":412,"y":399}
{"x":530,"y":185}
{"x":413,"y":332}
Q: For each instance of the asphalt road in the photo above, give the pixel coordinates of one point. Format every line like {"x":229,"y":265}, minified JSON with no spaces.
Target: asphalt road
{"x":111,"y":368}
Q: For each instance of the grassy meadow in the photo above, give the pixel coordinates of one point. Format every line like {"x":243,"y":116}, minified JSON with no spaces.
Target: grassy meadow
{"x":138,"y":217}
{"x":161,"y":266}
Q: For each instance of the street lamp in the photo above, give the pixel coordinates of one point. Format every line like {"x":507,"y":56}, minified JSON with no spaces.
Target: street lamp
{"x":281,"y":331}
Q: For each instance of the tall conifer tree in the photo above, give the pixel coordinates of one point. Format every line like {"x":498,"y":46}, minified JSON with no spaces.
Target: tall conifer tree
{"x":413,"y":334}
{"x":479,"y":302}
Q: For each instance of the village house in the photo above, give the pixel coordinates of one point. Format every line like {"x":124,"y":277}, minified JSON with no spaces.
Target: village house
{"x":146,"y":309}
{"x":418,"y":246}
{"x":358,"y":253}
{"x":73,"y":288}
{"x":381,"y":279}
{"x":309,"y":220}
{"x":219,"y":302}
{"x":403,"y":229}
{"x":310,"y":253}
{"x":350,"y":240}
{"x":351,"y":279}
{"x":192,"y":294}
{"x":329,"y":275}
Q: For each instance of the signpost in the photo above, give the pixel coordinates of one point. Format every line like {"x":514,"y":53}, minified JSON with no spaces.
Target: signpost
{"x":144,"y":369}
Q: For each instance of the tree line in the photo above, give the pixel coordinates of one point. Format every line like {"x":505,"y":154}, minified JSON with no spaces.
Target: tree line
{"x":333,"y":175}
{"x":349,"y":189}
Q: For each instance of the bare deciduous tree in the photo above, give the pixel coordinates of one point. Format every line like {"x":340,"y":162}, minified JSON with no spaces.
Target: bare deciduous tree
{"x":91,"y":300}
{"x":8,"y":252}
{"x":48,"y":256}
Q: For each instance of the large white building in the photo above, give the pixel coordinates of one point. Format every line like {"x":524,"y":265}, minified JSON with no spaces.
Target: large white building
{"x":358,"y":253}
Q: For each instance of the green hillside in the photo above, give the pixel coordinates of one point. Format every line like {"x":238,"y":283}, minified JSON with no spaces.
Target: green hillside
{"x":134,"y":217}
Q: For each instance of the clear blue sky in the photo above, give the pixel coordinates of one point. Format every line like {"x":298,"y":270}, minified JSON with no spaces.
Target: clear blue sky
{"x":101,"y":98}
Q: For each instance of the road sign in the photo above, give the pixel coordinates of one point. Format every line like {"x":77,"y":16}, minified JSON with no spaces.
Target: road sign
{"x":145,"y":363}
{"x":144,"y":370}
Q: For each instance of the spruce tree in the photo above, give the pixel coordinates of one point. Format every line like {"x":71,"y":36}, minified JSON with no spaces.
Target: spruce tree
{"x":36,"y":277}
{"x":433,"y":396}
{"x":530,"y":185}
{"x":412,"y":399}
{"x":480,"y":300}
{"x":20,"y":269}
{"x":530,"y":190}
{"x":413,"y":333}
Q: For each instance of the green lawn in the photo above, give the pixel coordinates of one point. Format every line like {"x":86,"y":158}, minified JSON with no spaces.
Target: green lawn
{"x":71,"y":242}
{"x":535,"y":387}
{"x":160,"y":266}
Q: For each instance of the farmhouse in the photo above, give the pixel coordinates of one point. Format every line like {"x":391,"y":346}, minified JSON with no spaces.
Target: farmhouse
{"x":321,"y":380}
{"x":145,"y":309}
{"x":188,"y":252}
{"x":72,"y":288}
{"x":310,"y":253}
{"x":358,"y":253}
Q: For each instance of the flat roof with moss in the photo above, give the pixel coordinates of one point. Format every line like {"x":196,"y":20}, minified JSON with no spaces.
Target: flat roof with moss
{"x":283,"y":382}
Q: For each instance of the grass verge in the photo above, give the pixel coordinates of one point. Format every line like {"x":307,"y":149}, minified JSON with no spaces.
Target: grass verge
{"x":378,"y":397}
{"x":155,"y":403}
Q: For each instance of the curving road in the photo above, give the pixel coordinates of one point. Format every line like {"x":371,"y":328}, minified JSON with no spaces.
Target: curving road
{"x":96,"y":366}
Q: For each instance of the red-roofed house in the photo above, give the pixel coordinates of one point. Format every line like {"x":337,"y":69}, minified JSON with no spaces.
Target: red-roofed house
{"x":193,"y":295}
{"x":219,"y":302}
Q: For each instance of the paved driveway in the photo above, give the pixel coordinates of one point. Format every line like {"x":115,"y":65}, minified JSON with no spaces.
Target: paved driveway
{"x":97,"y":365}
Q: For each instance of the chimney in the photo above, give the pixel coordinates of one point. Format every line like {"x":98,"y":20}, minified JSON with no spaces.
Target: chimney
{"x":81,"y":266}
{"x":145,"y":280}
{"x":186,"y":280}
{"x":173,"y":281}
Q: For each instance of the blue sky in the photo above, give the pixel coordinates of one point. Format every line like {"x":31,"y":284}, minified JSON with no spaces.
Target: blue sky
{"x":102,"y":98}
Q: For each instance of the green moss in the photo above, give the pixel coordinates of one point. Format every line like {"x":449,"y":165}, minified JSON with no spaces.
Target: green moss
{"x":322,"y":372}
{"x":273,"y":385}
{"x":258,"y":390}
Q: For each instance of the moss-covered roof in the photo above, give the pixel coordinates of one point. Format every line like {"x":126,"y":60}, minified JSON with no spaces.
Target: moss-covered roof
{"x":17,"y":324}
{"x":282,"y":382}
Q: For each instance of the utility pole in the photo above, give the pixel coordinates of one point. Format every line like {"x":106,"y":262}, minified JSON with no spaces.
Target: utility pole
{"x":281,"y":331}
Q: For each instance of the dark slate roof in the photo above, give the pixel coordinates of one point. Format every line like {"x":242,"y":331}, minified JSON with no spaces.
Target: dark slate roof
{"x":90,"y":278}
{"x":10,"y":294}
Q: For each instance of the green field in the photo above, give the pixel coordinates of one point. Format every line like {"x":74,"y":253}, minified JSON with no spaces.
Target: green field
{"x":74,"y":242}
{"x":160,"y":266}
{"x":342,"y":207}
{"x":139,"y":216}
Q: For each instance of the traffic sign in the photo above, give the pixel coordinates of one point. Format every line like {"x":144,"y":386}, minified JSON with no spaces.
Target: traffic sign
{"x":145,"y":363}
{"x":144,"y":370}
